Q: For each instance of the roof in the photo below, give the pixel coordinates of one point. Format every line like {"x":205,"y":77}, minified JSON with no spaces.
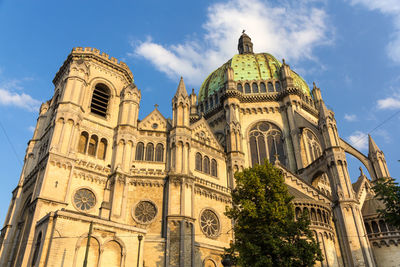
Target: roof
{"x":371,"y":206}
{"x":298,"y":195}
{"x":248,"y":67}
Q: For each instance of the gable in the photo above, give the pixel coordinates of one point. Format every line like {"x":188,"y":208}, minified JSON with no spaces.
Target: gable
{"x":203,"y":134}
{"x":155,"y":121}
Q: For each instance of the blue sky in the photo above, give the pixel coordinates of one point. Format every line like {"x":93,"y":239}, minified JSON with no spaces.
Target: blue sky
{"x":350,"y":48}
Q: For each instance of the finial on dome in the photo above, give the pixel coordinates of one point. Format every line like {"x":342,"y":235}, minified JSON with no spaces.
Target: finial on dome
{"x":245,"y":45}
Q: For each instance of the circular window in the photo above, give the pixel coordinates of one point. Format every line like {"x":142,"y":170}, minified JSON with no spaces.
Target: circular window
{"x":84,"y":199}
{"x":145,"y":212}
{"x":155,"y":125}
{"x":209,"y":223}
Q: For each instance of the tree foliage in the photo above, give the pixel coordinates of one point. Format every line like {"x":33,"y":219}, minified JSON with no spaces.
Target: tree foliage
{"x":266,"y":233}
{"x":389,"y":193}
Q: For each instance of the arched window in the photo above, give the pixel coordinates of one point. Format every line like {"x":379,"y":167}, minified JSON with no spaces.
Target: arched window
{"x":382,"y":225}
{"x":270,"y":87}
{"x":240,"y":87}
{"x":83,"y":139}
{"x":319,"y":215}
{"x":214,"y":168}
{"x":92,"y":145}
{"x":313,"y":215}
{"x":101,"y":154}
{"x":150,"y":152}
{"x":159,"y":152}
{"x":37,"y":247}
{"x":247,"y":88}
{"x":375,"y":227}
{"x":278,"y":87}
{"x":367,"y":228}
{"x":216,"y":99}
{"x":100,"y":98}
{"x":262,"y":88}
{"x":312,"y":144}
{"x":265,"y":143}
{"x":206,"y":165}
{"x":255,"y":87}
{"x":139,"y":151}
{"x":211,"y":102}
{"x":306,"y":212}
{"x":198,"y":161}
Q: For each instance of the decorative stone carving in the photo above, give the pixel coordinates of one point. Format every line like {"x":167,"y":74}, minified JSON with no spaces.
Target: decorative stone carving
{"x":145,"y":212}
{"x":84,"y":199}
{"x":209,"y":223}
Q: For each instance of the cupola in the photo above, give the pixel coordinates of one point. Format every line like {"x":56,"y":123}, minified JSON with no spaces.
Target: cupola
{"x":245,"y":46}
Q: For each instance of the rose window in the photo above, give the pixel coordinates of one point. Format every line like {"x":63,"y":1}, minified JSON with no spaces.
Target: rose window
{"x":209,"y":223}
{"x":84,"y":199}
{"x":145,"y":211}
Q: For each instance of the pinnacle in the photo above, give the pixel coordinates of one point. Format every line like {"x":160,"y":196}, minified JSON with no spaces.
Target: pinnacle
{"x":323,"y":110}
{"x":181,"y":89}
{"x":373,"y":148}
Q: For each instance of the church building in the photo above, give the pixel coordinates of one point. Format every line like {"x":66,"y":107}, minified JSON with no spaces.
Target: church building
{"x":101,"y":186}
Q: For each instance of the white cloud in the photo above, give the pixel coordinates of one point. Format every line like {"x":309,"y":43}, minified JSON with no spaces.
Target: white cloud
{"x":391,"y":8}
{"x":359,"y":140}
{"x":22,"y":100}
{"x":291,"y":30}
{"x":31,"y":128}
{"x":389,"y":103}
{"x":350,"y":117}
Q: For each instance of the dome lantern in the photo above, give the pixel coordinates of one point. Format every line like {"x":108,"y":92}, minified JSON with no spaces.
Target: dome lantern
{"x":245,"y":46}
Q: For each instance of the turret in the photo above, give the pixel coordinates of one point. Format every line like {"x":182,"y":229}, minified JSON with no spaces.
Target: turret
{"x":352,"y":237}
{"x":286,"y":75}
{"x":129,"y":106}
{"x":181,"y":106}
{"x":245,"y":45}
{"x":316,"y":92}
{"x":327,"y":124}
{"x":193,"y":103}
{"x":377,"y":158}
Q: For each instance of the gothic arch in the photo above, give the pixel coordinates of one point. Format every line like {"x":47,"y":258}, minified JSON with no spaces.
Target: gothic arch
{"x":265,"y":141}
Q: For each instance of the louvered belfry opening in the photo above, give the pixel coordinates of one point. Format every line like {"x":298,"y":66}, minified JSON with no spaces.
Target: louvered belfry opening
{"x":101,"y":95}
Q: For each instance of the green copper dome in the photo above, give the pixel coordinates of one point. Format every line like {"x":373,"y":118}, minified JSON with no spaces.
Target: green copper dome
{"x":248,"y":67}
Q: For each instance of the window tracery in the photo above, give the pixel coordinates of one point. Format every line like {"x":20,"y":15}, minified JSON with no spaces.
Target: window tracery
{"x":312,"y":146}
{"x":145,"y":212}
{"x":265,"y":143}
{"x":84,"y":199}
{"x":209,"y":223}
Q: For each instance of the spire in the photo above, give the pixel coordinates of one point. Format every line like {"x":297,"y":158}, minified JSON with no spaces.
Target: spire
{"x":323,"y":110}
{"x":181,"y":89}
{"x":373,"y":148}
{"x":245,"y":45}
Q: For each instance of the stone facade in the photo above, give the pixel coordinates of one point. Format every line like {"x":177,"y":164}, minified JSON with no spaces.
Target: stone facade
{"x":153,"y":192}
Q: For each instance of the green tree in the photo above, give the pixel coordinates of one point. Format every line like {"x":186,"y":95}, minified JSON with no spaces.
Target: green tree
{"x":266,"y":233}
{"x":388,"y":192}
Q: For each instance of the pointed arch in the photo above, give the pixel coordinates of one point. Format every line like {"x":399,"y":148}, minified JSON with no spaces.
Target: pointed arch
{"x":139,"y":151}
